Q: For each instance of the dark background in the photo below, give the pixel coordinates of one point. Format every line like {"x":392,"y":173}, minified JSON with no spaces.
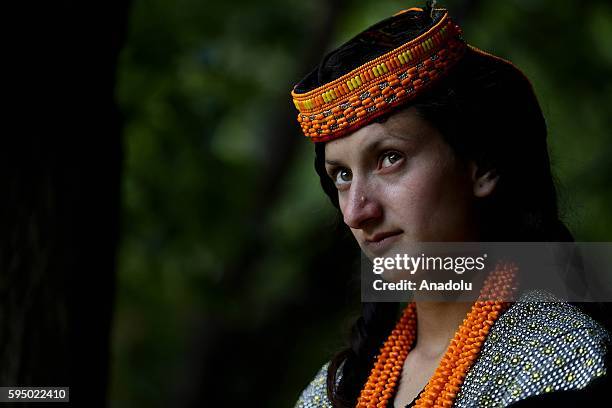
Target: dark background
{"x":166,"y":241}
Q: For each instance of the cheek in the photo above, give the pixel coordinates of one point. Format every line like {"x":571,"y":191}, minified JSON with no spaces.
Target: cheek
{"x":429,"y":200}
{"x":416,"y":193}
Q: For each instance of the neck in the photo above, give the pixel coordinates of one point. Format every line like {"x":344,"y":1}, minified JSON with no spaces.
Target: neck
{"x":437,"y":323}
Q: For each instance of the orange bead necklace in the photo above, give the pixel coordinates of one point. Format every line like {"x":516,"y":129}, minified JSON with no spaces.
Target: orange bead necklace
{"x":464,"y":348}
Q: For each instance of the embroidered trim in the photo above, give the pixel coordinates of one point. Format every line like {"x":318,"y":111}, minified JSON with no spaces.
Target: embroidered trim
{"x":349,"y":102}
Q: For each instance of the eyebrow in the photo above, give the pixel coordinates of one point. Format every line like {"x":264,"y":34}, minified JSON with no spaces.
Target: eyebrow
{"x":374,"y":144}
{"x":333,"y":162}
{"x":413,"y":136}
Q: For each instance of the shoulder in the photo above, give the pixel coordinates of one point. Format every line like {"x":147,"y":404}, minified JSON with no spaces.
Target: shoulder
{"x":315,"y":394}
{"x":539,"y":346}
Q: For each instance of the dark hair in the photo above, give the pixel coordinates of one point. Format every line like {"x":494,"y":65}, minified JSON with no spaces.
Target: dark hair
{"x":486,"y":110}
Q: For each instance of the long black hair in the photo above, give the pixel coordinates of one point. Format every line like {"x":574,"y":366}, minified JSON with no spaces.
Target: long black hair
{"x":487,"y":111}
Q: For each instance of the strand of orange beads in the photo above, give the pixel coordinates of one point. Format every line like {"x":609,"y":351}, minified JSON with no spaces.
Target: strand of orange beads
{"x":383,"y":378}
{"x":464,"y":348}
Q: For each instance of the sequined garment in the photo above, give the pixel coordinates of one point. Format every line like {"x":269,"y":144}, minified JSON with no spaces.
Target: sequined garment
{"x":540,"y":345}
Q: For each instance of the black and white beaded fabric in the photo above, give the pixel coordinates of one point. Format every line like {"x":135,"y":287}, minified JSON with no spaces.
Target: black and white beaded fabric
{"x":539,"y":345}
{"x":315,"y":395}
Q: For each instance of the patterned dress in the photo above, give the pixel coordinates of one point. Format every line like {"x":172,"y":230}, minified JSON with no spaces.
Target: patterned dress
{"x":540,"y":352}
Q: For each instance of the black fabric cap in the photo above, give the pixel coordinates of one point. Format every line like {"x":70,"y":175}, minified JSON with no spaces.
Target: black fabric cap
{"x":375,"y":41}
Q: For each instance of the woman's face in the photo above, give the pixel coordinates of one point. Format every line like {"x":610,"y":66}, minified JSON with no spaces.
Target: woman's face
{"x":399,"y":182}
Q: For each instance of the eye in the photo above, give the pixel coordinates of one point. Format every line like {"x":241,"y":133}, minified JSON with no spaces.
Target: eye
{"x":343,"y":176}
{"x":389,"y":158}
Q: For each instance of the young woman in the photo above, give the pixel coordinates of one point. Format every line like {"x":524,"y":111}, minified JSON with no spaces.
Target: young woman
{"x":420,"y":137}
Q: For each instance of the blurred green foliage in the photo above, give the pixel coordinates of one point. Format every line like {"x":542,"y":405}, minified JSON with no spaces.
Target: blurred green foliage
{"x":200,"y":85}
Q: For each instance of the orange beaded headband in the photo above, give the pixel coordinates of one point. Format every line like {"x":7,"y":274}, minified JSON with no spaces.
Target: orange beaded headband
{"x":353,"y":100}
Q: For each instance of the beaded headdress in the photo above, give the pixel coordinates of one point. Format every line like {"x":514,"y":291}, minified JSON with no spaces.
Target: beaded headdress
{"x":394,"y":70}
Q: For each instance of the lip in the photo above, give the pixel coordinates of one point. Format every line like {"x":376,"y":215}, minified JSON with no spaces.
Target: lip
{"x":379,"y":242}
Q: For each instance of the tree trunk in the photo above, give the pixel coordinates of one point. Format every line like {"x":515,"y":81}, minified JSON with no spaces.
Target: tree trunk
{"x":60,"y":217}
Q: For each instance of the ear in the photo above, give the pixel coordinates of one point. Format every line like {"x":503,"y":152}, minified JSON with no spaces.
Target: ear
{"x":483,"y":181}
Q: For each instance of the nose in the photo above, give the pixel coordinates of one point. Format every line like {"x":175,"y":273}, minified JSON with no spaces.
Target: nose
{"x":360,"y":208}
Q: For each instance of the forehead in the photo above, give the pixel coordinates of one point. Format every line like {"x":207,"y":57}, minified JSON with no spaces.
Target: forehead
{"x":404,"y":126}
